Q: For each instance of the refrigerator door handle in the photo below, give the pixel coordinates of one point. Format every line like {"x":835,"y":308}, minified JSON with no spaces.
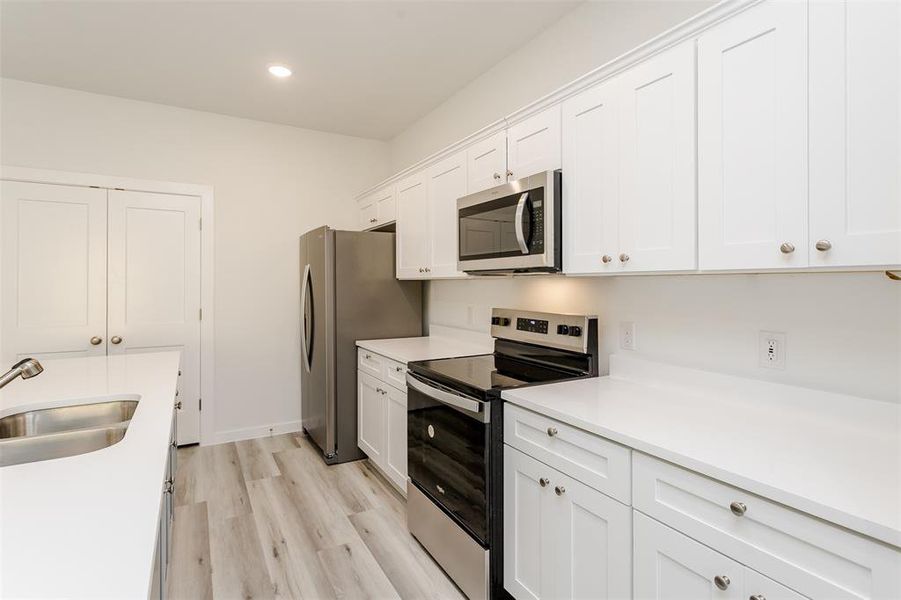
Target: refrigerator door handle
{"x":306,"y":327}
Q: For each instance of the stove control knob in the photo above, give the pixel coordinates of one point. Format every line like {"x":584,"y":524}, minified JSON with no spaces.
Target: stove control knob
{"x":495,"y":320}
{"x":562,"y":329}
{"x":575,"y":331}
{"x":504,"y":321}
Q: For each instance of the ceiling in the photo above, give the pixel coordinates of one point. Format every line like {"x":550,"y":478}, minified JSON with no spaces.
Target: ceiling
{"x":360,"y":68}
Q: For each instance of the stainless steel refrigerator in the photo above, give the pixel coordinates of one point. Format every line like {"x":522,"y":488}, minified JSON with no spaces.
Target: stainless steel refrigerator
{"x":348,"y":292}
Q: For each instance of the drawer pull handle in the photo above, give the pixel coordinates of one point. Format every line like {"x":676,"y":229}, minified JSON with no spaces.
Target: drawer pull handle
{"x":559,"y":490}
{"x":738,"y":509}
{"x":551,"y":431}
{"x":722,"y":582}
{"x":543,"y":481}
{"x":757,"y":597}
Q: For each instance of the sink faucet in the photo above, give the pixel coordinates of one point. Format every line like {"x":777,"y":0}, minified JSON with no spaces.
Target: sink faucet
{"x":26,"y":369}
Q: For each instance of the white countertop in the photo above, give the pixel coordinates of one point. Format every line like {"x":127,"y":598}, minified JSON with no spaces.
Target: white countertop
{"x":86,"y":526}
{"x":833,"y":456}
{"x":428,"y":347}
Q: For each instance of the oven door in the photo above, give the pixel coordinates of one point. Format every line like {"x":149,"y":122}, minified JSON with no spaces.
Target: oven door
{"x":447,"y":452}
{"x":509,"y":227}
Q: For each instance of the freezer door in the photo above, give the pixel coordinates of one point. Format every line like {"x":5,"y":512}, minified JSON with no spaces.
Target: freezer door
{"x":317,"y":337}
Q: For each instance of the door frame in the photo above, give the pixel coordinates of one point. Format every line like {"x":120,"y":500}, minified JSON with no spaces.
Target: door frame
{"x":205,"y":193}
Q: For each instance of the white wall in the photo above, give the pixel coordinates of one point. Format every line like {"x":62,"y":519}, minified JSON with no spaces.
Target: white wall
{"x":271,"y":183}
{"x":587,"y":37}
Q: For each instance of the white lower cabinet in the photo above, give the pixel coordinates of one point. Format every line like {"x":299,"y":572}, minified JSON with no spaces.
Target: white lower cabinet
{"x":382,"y":415}
{"x":562,"y":539}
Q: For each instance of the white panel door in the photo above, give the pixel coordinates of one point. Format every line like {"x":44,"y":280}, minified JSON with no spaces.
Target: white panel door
{"x":486,"y":163}
{"x":752,"y":139}
{"x":591,"y":554}
{"x":53,"y":271}
{"x":527,"y":530}
{"x":370,"y":417}
{"x":855,"y":133}
{"x":591,"y":180}
{"x":396,"y":429}
{"x":657,"y":214}
{"x":413,"y":226}
{"x":154,"y":287}
{"x":533,"y":145}
{"x":670,"y":566}
{"x":446,"y":183}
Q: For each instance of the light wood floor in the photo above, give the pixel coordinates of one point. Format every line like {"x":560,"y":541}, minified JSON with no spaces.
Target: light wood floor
{"x":267,"y":518}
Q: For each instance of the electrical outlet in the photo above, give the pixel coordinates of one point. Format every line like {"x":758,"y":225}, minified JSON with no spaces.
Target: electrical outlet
{"x":772,"y":349}
{"x":627,"y":335}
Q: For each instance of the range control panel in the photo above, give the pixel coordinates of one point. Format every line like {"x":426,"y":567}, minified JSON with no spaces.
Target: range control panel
{"x":567,"y":332}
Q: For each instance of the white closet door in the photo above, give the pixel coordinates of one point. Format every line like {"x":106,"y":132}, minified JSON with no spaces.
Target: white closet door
{"x":855,"y":133}
{"x":53,"y":271}
{"x":154,"y":287}
{"x":752,"y":139}
{"x":658,"y":218}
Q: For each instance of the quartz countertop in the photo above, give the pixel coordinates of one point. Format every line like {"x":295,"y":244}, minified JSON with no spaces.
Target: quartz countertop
{"x":429,"y":347}
{"x":86,"y":526}
{"x":833,"y":456}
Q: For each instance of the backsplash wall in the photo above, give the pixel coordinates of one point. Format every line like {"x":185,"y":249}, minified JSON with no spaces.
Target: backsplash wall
{"x":843,"y":330}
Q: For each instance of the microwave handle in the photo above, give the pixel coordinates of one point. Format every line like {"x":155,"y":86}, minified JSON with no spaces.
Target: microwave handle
{"x":517,"y":224}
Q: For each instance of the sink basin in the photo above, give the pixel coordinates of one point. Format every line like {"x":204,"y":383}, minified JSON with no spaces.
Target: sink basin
{"x":32,"y":448}
{"x":66,"y":418}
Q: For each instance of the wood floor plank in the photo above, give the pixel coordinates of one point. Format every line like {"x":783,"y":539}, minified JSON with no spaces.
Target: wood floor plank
{"x":256,"y":455}
{"x":238,"y":568}
{"x":190,"y":575}
{"x":354,"y":572}
{"x":219,"y":482}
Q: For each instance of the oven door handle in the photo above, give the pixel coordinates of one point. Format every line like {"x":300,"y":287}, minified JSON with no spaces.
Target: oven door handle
{"x":462,"y":402}
{"x":517,"y":224}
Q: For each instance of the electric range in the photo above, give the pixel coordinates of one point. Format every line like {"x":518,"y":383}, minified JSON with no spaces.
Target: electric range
{"x":455,"y":437}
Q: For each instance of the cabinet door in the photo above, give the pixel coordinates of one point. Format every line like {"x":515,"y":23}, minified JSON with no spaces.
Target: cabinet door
{"x":368,"y":212}
{"x":658,"y":221}
{"x":670,"y":565}
{"x":527,"y":530}
{"x":591,"y":180}
{"x":533,"y":145}
{"x":53,"y":297}
{"x":371,"y":417}
{"x":758,"y":587}
{"x":396,"y":445}
{"x":855,"y":133}
{"x":154,"y":287}
{"x":386,"y":205}
{"x":486,"y":164}
{"x":447,"y":182}
{"x":591,"y":554}
{"x":412,"y":237}
{"x":752,"y":139}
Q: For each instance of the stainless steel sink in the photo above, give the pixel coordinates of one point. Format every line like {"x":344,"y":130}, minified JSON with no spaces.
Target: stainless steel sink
{"x":66,"y":418}
{"x":32,"y":448}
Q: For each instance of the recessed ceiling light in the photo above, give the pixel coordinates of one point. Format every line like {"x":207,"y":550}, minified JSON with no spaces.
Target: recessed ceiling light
{"x":280,"y":71}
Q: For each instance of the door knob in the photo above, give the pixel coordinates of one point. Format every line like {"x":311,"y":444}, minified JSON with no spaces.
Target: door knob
{"x":823,"y":245}
{"x":722,"y":582}
{"x":787,"y":248}
{"x":95,"y":341}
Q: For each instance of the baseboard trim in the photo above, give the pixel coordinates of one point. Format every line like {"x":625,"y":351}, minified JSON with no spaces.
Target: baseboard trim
{"x":249,"y":433}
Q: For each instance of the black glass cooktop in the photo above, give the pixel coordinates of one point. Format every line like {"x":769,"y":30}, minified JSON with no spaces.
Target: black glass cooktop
{"x":489,"y":372}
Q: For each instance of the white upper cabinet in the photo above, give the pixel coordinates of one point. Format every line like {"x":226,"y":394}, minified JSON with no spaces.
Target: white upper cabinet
{"x":367,"y":212}
{"x":855,"y":133}
{"x":533,"y":145}
{"x":413,"y":249}
{"x":591,"y":180}
{"x":446,"y":182}
{"x":752,"y":139}
{"x":486,"y":163}
{"x":657,"y":213}
{"x":378,"y":208}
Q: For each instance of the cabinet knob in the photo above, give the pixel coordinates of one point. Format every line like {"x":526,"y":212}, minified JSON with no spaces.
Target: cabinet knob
{"x":757,"y":597}
{"x":551,"y":431}
{"x":428,"y":269}
{"x":738,"y":509}
{"x":398,"y":369}
{"x":823,"y":245}
{"x":559,"y":490}
{"x":168,"y":486}
{"x":787,"y":248}
{"x":624,"y":258}
{"x":95,"y":341}
{"x":420,"y":269}
{"x":497,"y":176}
{"x":543,"y":482}
{"x":178,"y":405}
{"x":509,"y":173}
{"x":722,"y":582}
{"x":606,"y":258}
{"x":116,"y":339}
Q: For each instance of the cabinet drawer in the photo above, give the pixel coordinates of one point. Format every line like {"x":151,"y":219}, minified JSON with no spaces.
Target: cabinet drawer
{"x":809,"y":555}
{"x":395,"y":373}
{"x":369,"y":362}
{"x":592,"y":460}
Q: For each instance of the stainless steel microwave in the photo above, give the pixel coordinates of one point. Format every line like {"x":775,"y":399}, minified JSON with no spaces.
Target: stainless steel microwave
{"x":512,"y":228}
